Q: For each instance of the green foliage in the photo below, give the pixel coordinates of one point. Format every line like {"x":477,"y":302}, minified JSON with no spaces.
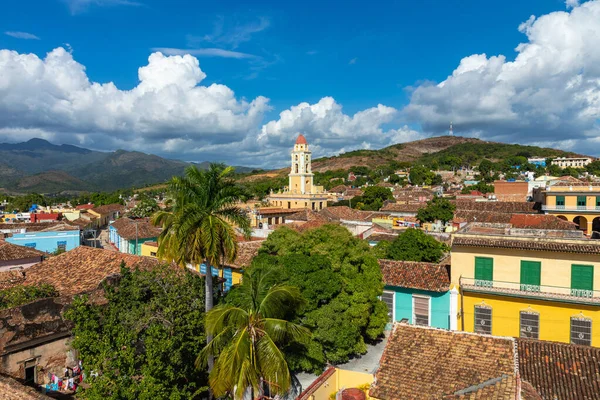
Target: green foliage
{"x":415,"y":245}
{"x":145,"y":208}
{"x":438,"y":208}
{"x":19,"y":295}
{"x":250,"y":332}
{"x":485,"y":169}
{"x":260,"y":188}
{"x":145,"y":340}
{"x":24,"y":203}
{"x":372,"y":198}
{"x":421,"y":175}
{"x":593,"y":168}
{"x":341,"y":280}
{"x":480,"y":186}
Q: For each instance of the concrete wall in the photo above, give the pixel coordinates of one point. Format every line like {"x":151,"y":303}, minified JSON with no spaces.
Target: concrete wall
{"x":341,"y":379}
{"x":47,"y":241}
{"x":22,"y":263}
{"x":148,"y":251}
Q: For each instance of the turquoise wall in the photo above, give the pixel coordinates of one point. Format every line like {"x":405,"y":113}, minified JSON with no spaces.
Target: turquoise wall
{"x":138,"y":250}
{"x":440,"y":305}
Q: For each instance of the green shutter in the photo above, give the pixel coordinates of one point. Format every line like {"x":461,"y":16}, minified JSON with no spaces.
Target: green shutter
{"x":581,"y":201}
{"x":530,"y":275}
{"x":597,"y":201}
{"x":582,"y":280}
{"x":484,"y":270}
{"x":560,"y":200}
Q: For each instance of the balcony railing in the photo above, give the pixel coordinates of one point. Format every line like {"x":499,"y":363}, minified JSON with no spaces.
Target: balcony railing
{"x":547,"y":292}
{"x":570,"y":208}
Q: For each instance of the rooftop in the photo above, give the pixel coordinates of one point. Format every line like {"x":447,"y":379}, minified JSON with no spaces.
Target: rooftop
{"x":11,"y":389}
{"x":301,"y":139}
{"x":415,"y":275}
{"x":432,"y":363}
{"x":79,"y":270}
{"x":131,"y":229}
{"x":108,"y":208}
{"x":9,"y":252}
{"x":246,"y":253}
{"x":338,"y":213}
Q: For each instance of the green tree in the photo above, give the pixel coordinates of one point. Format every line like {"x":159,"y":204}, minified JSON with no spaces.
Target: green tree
{"x":438,"y":208}
{"x":341,"y":280}
{"x":415,"y":245}
{"x":198,"y":227}
{"x":373,"y":197}
{"x":144,"y":341}
{"x":145,"y":208}
{"x":249,"y":336}
{"x":19,"y":295}
{"x":485,"y":169}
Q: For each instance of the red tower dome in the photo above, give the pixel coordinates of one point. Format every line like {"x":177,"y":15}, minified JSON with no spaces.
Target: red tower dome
{"x":301,"y":139}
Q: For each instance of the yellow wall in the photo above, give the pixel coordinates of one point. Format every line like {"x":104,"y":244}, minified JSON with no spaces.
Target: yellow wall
{"x":236,"y":277}
{"x":555,"y":317}
{"x":555,"y":271}
{"x":149,"y":251}
{"x":341,"y":379}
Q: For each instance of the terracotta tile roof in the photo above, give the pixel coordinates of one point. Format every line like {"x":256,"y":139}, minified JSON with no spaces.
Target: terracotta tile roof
{"x":9,"y":252}
{"x":82,"y":269}
{"x":353,"y":192}
{"x":338,"y":189}
{"x":108,"y":208}
{"x":382,"y":236}
{"x":346,"y":213}
{"x":246,"y":253}
{"x":317,"y":383}
{"x":305,"y":215}
{"x":497,"y":206}
{"x":11,"y":278}
{"x":560,"y":371}
{"x":131,"y":229}
{"x":84,"y":207}
{"x":152,"y":244}
{"x":38,"y":226}
{"x":316,"y":223}
{"x":407,"y":208}
{"x":415,"y":275}
{"x":11,"y":389}
{"x":537,"y":245}
{"x":482,"y":216}
{"x":540,"y":221}
{"x":504,"y":387}
{"x":275,"y":211}
{"x":427,"y":363}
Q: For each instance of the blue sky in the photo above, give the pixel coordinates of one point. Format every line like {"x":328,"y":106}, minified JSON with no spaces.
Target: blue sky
{"x":359,"y":55}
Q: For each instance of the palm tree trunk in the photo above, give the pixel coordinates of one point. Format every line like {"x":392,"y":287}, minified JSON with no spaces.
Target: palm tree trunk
{"x":208,"y":302}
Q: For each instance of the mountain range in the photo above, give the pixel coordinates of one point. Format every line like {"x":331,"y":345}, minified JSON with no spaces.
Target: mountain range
{"x":40,"y":166}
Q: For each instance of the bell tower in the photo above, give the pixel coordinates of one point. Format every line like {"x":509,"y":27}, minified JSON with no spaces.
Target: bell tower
{"x":301,"y":176}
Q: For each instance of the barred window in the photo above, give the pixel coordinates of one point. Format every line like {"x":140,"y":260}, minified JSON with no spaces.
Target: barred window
{"x":483,"y":319}
{"x":421,"y":310}
{"x":581,"y":331}
{"x":530,"y":325}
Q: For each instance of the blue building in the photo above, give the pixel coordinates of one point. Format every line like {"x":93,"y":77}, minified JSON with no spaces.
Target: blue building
{"x":417,"y":292}
{"x":48,"y":242}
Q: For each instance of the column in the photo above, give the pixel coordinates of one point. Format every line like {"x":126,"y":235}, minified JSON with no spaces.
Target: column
{"x":453,"y":309}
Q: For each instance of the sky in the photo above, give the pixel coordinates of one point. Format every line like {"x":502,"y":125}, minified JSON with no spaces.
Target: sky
{"x":237,"y":81}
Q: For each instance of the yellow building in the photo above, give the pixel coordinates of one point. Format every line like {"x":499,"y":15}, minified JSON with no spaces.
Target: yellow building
{"x":335,"y":380}
{"x":578,"y":202}
{"x":532,"y":283}
{"x":149,"y":249}
{"x":301,"y":192}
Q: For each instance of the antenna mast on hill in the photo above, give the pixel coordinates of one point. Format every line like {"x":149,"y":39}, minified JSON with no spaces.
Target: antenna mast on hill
{"x":451,"y":132}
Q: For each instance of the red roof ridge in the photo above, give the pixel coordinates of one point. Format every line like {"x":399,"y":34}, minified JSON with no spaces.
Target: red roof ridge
{"x":301,"y":139}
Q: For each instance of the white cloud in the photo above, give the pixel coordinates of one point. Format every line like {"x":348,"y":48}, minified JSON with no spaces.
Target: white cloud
{"x":55,"y":96}
{"x":550,"y":92}
{"x":572,"y":3}
{"x":79,"y":6}
{"x":208,"y":52}
{"x":353,"y":61}
{"x":22,"y":35}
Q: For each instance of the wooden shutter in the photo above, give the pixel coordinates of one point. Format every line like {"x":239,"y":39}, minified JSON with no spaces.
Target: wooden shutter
{"x":484,"y":271}
{"x":582,"y":280}
{"x":421,"y":310}
{"x":530,"y":275}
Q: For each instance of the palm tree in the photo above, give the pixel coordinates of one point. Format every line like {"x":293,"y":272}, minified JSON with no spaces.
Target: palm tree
{"x":248,"y":335}
{"x":198,"y":226}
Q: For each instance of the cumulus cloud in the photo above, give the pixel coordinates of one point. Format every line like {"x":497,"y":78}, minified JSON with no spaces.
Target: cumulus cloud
{"x":551,"y":91}
{"x":55,"y":95}
{"x":22,"y":35}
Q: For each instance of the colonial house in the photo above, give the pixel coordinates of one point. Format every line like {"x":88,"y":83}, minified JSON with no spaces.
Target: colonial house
{"x":46,"y":236}
{"x":106,"y":213}
{"x":527,"y":282}
{"x":128,"y":235}
{"x":418,"y":292}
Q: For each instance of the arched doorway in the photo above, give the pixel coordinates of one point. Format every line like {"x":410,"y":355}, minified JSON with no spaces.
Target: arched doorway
{"x":581,"y":222}
{"x":596,"y":224}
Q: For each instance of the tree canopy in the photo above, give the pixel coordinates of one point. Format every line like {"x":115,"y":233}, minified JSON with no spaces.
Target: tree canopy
{"x":415,"y":245}
{"x":341,"y":281}
{"x":144,"y":341}
{"x":372,"y":198}
{"x":438,"y":208}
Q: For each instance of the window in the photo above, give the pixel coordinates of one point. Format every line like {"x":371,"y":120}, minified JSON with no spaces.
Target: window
{"x":582,"y":280}
{"x":597,"y":201}
{"x":530,"y":276}
{"x":483,"y":319}
{"x":581,"y":331}
{"x":530,"y":325}
{"x":153,"y":254}
{"x":289,"y":204}
{"x":421,"y":310}
{"x":296,"y":167}
{"x":581,"y":201}
{"x":484,"y":271}
{"x":560,"y":201}
{"x":388,"y":299}
{"x":32,"y":245}
{"x":30,"y":375}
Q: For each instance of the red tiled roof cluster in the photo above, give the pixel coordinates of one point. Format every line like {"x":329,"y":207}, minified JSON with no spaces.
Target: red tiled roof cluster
{"x":85,"y":207}
{"x":420,"y":363}
{"x":540,"y":221}
{"x":497,"y":206}
{"x":306,"y":215}
{"x":10,"y":252}
{"x":338,"y":189}
{"x":415,"y":275}
{"x":246,"y":253}
{"x":560,"y":371}
{"x":406,"y":208}
{"x":346,"y":213}
{"x":108,"y":208}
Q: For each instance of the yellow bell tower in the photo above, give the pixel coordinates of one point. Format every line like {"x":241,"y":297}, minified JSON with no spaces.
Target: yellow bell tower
{"x":301,"y":176}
